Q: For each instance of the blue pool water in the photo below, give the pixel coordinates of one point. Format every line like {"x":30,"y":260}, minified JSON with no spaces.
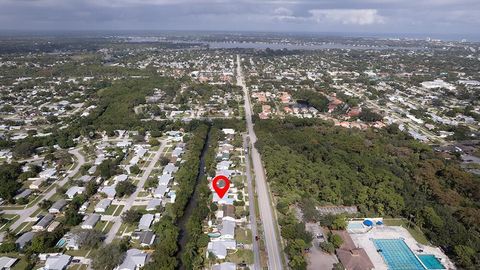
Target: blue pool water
{"x":61,"y":243}
{"x":430,"y":261}
{"x":397,"y":254}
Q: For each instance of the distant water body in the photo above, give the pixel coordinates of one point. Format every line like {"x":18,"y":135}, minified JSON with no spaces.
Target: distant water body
{"x":280,"y":46}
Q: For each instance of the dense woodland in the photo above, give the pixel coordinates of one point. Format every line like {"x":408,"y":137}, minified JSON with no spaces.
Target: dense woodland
{"x":383,"y":172}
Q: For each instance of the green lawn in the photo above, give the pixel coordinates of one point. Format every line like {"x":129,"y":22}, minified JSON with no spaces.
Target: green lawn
{"x":143,"y":194}
{"x":141,"y":208}
{"x":10,"y":222}
{"x":20,"y":265}
{"x":111,"y":209}
{"x":416,"y":233}
{"x":100,"y":225}
{"x":240,"y":256}
{"x":243,"y":236}
{"x":25,"y":226}
{"x":119,"y":210}
{"x":37,"y":212}
{"x":125,"y":228}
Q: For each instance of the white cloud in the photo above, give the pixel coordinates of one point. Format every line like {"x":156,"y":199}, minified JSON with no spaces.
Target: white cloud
{"x":347,"y":16}
{"x":281,"y":11}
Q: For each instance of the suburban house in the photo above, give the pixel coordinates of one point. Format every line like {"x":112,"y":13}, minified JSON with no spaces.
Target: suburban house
{"x":24,"y":194}
{"x":145,"y":222}
{"x":24,"y":239}
{"x":160,"y":191}
{"x":109,"y":191}
{"x":102,"y":205}
{"x":43,"y":223}
{"x":71,"y":241}
{"x":57,"y":206}
{"x":71,"y":192}
{"x":219,"y":247}
{"x":153,"y":205}
{"x":6,"y":263}
{"x":85,"y":178}
{"x":120,"y":178}
{"x":146,"y":238}
{"x":225,"y":266}
{"x":57,"y":262}
{"x":164,"y":179}
{"x":134,"y":260}
{"x":90,"y":222}
{"x":228,"y":229}
{"x":170,"y":168}
{"x":36,"y":183}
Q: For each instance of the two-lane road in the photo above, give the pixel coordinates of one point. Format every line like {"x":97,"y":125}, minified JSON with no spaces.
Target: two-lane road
{"x":265,"y":205}
{"x":117,"y":220}
{"x":26,"y":213}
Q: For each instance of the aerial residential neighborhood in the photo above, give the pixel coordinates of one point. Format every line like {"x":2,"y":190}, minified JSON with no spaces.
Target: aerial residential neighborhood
{"x":239,"y":135}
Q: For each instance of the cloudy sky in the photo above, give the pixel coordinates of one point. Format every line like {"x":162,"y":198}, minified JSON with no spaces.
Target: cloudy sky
{"x":353,"y":16}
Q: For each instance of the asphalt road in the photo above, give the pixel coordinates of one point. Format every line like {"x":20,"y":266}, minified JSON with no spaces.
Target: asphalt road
{"x":265,"y":205}
{"x":25,"y":213}
{"x":129,"y":202}
{"x":251,"y":207}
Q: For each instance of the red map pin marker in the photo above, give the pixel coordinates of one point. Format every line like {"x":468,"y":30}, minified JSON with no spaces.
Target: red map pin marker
{"x":221,"y":190}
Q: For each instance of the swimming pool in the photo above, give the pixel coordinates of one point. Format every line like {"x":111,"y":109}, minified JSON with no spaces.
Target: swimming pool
{"x":430,"y":261}
{"x":397,"y":254}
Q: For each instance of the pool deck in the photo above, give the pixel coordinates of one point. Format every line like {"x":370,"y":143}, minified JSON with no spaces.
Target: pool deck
{"x":364,"y":241}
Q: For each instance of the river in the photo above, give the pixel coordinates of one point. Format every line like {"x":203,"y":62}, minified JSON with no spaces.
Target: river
{"x":192,"y":203}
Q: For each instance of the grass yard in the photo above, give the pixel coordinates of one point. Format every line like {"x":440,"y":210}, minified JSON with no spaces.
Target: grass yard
{"x":243,"y":236}
{"x":12,"y":219}
{"x":141,"y":208}
{"x":240,"y":256}
{"x":143,"y":194}
{"x":100,"y":225}
{"x":111,"y":209}
{"x":22,"y":264}
{"x":37,"y":212}
{"x":125,"y":228}
{"x":119,"y":210}
{"x":25,"y":226}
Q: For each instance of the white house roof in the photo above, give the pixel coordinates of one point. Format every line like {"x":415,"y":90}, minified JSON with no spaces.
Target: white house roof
{"x":91,"y":220}
{"x":71,"y":192}
{"x":160,"y":191}
{"x":170,"y":168}
{"x":145,"y":222}
{"x":85,"y":178}
{"x":109,"y":190}
{"x":103,"y":204}
{"x":219,"y":247}
{"x":228,"y":227}
{"x":7,"y":262}
{"x":134,"y":258}
{"x":152,"y":204}
{"x":120,"y":178}
{"x":57,"y":262}
{"x":164,"y":179}
{"x":225,"y":266}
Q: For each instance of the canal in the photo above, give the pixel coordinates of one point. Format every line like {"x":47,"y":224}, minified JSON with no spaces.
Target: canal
{"x":192,"y":203}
